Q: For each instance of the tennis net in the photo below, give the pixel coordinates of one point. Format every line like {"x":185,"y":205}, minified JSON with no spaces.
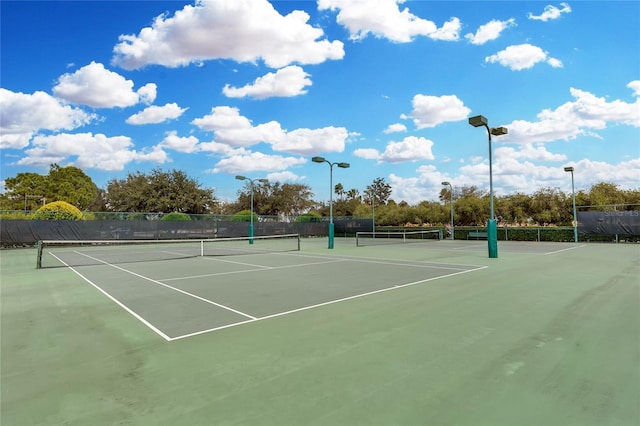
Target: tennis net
{"x":93,"y":252}
{"x":379,"y":238}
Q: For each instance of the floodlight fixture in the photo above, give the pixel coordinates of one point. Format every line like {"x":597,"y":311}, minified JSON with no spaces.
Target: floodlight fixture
{"x":498,"y":131}
{"x":478,"y":121}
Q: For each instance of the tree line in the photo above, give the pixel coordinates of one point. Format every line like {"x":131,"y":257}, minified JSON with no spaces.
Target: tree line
{"x":173,"y":191}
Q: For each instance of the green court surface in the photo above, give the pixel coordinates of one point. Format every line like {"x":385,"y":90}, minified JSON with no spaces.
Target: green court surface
{"x":430,"y":333}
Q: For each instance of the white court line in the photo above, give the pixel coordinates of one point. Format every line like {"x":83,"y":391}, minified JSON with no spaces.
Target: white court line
{"x":331,"y":302}
{"x":569,"y":248}
{"x":400,"y":262}
{"x":170,"y":287}
{"x":475,"y":246}
{"x":116,"y":301}
{"x":262,"y":268}
{"x":378,"y":262}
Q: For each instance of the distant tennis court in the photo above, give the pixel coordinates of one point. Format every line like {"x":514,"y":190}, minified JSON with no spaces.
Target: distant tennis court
{"x":289,"y":332}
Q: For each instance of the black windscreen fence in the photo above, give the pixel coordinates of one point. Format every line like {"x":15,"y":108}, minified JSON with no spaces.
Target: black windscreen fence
{"x":32,"y":231}
{"x":609,"y":222}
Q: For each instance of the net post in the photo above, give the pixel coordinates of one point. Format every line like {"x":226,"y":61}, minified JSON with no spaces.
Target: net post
{"x":39,"y":255}
{"x":201,"y":248}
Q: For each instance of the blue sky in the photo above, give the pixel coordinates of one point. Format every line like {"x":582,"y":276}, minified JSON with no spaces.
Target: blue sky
{"x":257,"y":88}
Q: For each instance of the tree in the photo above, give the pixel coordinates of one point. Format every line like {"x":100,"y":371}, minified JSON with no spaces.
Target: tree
{"x":274,"y":198}
{"x":548,"y":206}
{"x":69,"y":184}
{"x":472,"y":208}
{"x":605,"y":194}
{"x":339,"y":190}
{"x":72,"y":185}
{"x":162,"y":192}
{"x":380,"y":191}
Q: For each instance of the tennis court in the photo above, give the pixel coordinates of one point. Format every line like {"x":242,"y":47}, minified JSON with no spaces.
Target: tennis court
{"x":184,"y":288}
{"x":432,"y":332}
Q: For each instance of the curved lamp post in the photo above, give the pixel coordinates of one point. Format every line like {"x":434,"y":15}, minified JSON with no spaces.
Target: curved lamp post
{"x":253,"y":181}
{"x":343,"y":166}
{"x":492,"y":235}
{"x":575,"y":217}
{"x":451,"y":203}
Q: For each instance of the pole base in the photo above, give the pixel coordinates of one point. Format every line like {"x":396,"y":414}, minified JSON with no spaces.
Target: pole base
{"x":492,"y":238}
{"x":331,"y":235}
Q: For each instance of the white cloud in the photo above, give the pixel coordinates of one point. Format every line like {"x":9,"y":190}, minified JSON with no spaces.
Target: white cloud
{"x":586,"y":113}
{"x":551,"y":12}
{"x":181,"y":144}
{"x":395,"y":128}
{"x":229,"y":127}
{"x":312,"y":141}
{"x":635,"y":86}
{"x":449,"y":31}
{"x":241,"y":30}
{"x":430,"y":111}
{"x":367,"y":153}
{"x":98,"y":87}
{"x":284,"y":177}
{"x":383,"y":18}
{"x":426,"y":186}
{"x":490,"y":31}
{"x":410,"y":148}
{"x":286,"y":82}
{"x":527,"y":151}
{"x":87,"y":151}
{"x":256,"y":162}
{"x":23,"y":115}
{"x":156,"y":114}
{"x":522,"y":56}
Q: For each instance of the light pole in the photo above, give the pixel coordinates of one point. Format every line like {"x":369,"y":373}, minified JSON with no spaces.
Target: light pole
{"x":343,"y":166}
{"x":492,"y":234}
{"x":450,"y":202}
{"x":573,"y":194}
{"x":251,"y":220}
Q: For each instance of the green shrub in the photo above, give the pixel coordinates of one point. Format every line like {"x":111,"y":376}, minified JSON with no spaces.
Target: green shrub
{"x":176,"y":216}
{"x":58,"y":210}
{"x":244,"y":216}
{"x":15,"y":215}
{"x":309,"y":217}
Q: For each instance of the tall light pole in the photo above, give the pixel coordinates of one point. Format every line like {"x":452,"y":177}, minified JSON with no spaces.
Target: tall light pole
{"x":251,"y":220}
{"x":451,"y":203}
{"x":343,"y":166}
{"x":492,"y":234}
{"x":575,"y":216}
